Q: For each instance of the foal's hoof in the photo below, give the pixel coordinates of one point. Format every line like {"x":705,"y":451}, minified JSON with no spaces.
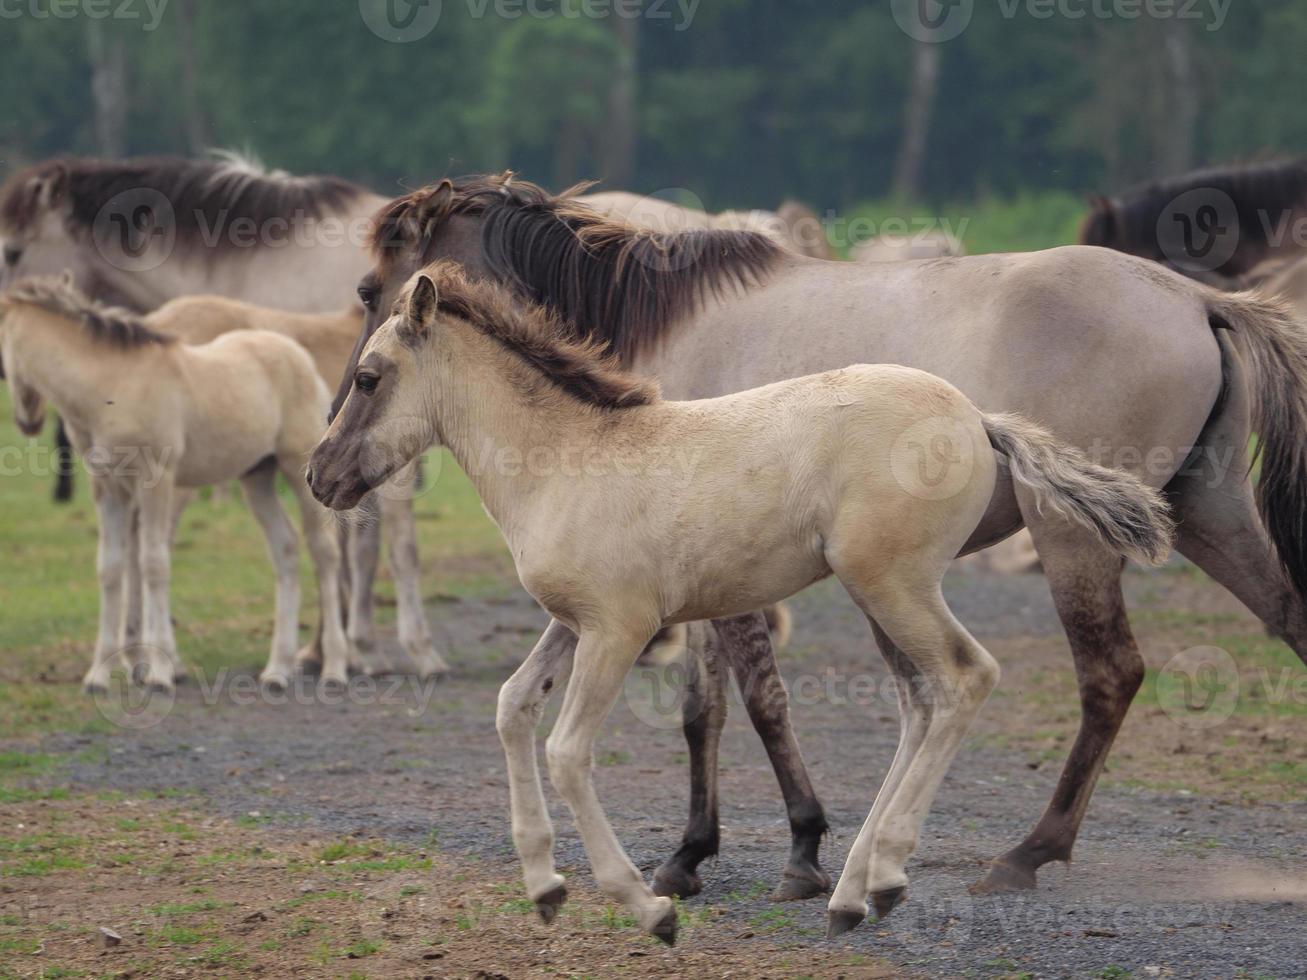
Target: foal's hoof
{"x":799,"y":885}
{"x":887,"y":900}
{"x":664,"y":930}
{"x":1004,"y":877}
{"x":95,"y":688}
{"x":274,"y":683}
{"x":550,"y":902}
{"x":838,"y":923}
{"x":673,"y":882}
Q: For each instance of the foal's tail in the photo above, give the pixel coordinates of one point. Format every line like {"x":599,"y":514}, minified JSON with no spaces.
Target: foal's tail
{"x":1275,"y":346}
{"x":1127,"y":515}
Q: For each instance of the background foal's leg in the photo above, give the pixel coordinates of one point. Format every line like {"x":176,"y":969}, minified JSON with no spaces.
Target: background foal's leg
{"x":602,"y":662}
{"x":703,"y":713}
{"x":1086,"y":582}
{"x":115,"y":514}
{"x":260,"y":488}
{"x":402,"y":550}
{"x":522,"y":702}
{"x":364,"y":554}
{"x":746,"y":645}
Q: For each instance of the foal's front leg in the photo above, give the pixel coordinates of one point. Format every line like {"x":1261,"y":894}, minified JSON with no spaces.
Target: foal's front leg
{"x":402,"y":549}
{"x":603,"y":659}
{"x":115,"y":514}
{"x":156,"y":518}
{"x":260,"y":488}
{"x":522,"y":702}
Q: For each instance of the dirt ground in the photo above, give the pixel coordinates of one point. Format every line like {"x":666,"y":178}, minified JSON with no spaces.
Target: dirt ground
{"x":219,"y":835}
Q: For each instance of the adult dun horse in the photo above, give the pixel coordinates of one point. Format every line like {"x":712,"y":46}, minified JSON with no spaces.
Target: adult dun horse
{"x":1110,"y":353}
{"x":138,"y":233}
{"x":794,"y":482}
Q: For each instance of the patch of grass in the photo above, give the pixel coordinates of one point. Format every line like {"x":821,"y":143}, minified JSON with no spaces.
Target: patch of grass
{"x":362,"y":949}
{"x":772,"y":920}
{"x":178,"y":936}
{"x":176,"y":910}
{"x":39,"y":867}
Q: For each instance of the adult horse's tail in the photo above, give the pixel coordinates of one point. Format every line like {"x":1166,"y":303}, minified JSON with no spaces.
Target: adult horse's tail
{"x":1126,"y":514}
{"x":1274,"y":343}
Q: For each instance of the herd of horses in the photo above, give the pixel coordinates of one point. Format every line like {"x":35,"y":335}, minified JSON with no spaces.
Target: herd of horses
{"x":496,"y":315}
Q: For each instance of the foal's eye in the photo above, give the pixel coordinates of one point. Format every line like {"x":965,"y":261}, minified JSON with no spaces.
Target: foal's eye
{"x":366,"y":382}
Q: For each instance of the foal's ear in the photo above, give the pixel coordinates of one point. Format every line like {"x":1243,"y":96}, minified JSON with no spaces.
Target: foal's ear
{"x":422,"y":304}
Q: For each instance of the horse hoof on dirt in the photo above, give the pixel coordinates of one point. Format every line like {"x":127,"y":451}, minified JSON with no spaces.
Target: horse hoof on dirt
{"x":94,"y":689}
{"x":672,"y":882}
{"x":887,"y":900}
{"x":1003,"y":878}
{"x":333,"y":684}
{"x":274,"y":683}
{"x":838,"y":923}
{"x":550,"y":902}
{"x":799,"y":886}
{"x":664,"y":930}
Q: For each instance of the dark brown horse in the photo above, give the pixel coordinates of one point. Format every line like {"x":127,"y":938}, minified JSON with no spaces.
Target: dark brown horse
{"x":1102,"y":349}
{"x":1212,"y":225}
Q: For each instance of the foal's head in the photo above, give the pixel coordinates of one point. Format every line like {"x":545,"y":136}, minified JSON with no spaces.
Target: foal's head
{"x":446,"y":326}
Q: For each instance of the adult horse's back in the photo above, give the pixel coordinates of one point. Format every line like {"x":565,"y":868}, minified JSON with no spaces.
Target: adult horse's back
{"x":1137,"y":365}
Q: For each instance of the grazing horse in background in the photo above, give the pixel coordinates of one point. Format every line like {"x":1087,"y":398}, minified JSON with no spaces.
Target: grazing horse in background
{"x":1250,"y":209}
{"x":794,"y":482}
{"x":138,"y":233}
{"x":794,"y":226}
{"x":1110,"y":353}
{"x":153,"y":418}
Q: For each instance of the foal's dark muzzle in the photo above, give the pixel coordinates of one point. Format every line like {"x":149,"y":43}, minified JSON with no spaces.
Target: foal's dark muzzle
{"x":334,"y":476}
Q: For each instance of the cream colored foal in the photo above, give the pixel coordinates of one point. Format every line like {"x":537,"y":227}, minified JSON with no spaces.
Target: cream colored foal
{"x":151,"y":418}
{"x":625,"y":513}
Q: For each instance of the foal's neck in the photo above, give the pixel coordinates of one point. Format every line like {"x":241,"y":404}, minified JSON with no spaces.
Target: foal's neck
{"x":510,"y":428}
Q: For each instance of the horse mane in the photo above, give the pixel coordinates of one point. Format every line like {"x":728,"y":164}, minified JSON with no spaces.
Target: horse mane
{"x":583,"y":368}
{"x":619,"y":285}
{"x":1257,"y":190}
{"x":205,"y":195}
{"x":112,"y":325}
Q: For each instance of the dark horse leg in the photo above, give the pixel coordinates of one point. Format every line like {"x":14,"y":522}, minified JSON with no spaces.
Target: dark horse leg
{"x":745,"y":644}
{"x":63,"y":464}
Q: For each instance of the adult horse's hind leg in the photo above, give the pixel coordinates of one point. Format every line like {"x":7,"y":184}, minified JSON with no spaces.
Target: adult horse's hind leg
{"x":63,"y":464}
{"x":703,"y":713}
{"x":746,"y":645}
{"x":1085,"y":579}
{"x":402,"y":550}
{"x":260,"y":486}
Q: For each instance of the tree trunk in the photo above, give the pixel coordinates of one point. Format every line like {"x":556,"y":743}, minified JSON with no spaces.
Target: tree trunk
{"x":1176,"y":154}
{"x":917,"y":113}
{"x":108,"y":58}
{"x":197,"y":126}
{"x":618,"y":146}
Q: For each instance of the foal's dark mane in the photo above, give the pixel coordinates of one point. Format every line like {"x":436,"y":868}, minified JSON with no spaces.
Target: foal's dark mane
{"x":582,"y":368}
{"x":1260,"y":191}
{"x":205,"y":195}
{"x":607,"y":280}
{"x":106,"y":324}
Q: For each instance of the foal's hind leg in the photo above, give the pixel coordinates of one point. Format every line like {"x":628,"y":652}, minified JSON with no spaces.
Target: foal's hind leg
{"x":402,"y":550}
{"x":746,"y":644}
{"x":260,"y":488}
{"x":703,"y":713}
{"x":1086,"y":582}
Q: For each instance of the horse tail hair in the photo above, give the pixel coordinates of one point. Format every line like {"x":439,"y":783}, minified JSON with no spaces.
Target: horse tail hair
{"x":1128,"y":516}
{"x":1274,"y":343}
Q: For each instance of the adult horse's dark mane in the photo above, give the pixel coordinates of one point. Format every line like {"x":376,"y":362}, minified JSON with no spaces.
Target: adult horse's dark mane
{"x":206,"y":195}
{"x":582,"y":368}
{"x":608,"y":280}
{"x":106,"y":324}
{"x":1262,"y":194}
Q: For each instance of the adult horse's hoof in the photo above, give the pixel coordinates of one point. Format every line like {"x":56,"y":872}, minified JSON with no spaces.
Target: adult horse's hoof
{"x":801,"y":885}
{"x":549,"y":903}
{"x":887,"y":900}
{"x":1003,"y":878}
{"x":664,"y":930}
{"x":94,"y":689}
{"x":673,"y":882}
{"x":838,"y":923}
{"x":274,"y":683}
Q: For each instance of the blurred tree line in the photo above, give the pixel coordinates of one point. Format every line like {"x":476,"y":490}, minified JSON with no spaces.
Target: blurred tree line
{"x":756,"y":100}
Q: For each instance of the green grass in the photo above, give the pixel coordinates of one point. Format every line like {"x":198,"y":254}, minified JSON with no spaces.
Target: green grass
{"x":222,"y":587}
